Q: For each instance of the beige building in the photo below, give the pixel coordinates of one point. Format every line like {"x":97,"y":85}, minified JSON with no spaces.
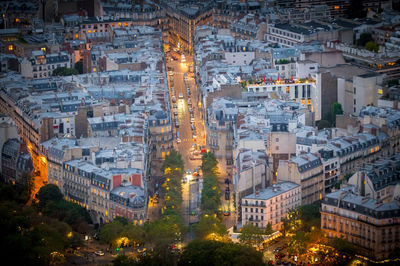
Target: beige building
{"x":251,"y":174}
{"x":307,"y":171}
{"x":271,"y":205}
{"x":363,"y":221}
{"x":281,"y":146}
{"x":161,"y":135}
{"x":183,"y":21}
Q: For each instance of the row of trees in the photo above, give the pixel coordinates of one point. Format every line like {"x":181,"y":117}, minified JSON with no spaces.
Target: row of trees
{"x":199,"y":253}
{"x":160,"y":235}
{"x":210,"y":226}
{"x":35,"y":235}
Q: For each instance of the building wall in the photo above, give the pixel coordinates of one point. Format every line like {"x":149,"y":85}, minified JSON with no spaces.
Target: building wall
{"x":261,"y":212}
{"x":377,"y":237}
{"x":365,"y":92}
{"x":311,"y":181}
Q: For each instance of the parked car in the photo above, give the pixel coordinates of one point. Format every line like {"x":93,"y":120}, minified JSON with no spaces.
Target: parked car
{"x":99,"y":253}
{"x":173,"y":99}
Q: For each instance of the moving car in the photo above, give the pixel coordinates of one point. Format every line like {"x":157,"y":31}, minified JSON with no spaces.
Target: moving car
{"x":99,"y":253}
{"x":178,"y":137}
{"x":173,"y":99}
{"x":181,"y":95}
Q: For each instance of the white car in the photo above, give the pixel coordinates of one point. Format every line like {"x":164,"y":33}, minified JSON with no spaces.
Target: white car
{"x":181,"y":95}
{"x":192,"y":120}
{"x":99,"y":253}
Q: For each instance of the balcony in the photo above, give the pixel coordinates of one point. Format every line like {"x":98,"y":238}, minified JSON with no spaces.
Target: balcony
{"x":253,"y":205}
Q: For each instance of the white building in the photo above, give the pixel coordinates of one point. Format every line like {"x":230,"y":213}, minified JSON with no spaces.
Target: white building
{"x":271,"y":205}
{"x":42,"y":65}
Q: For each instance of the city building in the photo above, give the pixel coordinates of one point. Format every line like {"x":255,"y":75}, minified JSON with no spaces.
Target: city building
{"x":183,"y":19}
{"x":307,"y":171}
{"x":271,"y":205}
{"x":42,"y":65}
{"x":251,"y":174}
{"x":378,"y":180}
{"x":363,"y":221}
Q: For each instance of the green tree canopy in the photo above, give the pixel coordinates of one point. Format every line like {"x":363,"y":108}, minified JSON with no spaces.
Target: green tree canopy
{"x":268,"y":229}
{"x":323,"y":124}
{"x":364,"y":38}
{"x":49,"y":193}
{"x":251,"y":235}
{"x":336,"y":109}
{"x":64,"y":71}
{"x":372,"y":46}
{"x":209,"y":224}
{"x":206,"y":252}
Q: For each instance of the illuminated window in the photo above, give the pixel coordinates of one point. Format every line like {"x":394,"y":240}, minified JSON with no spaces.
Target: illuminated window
{"x":94,"y":69}
{"x":119,"y":24}
{"x":43,"y":49}
{"x":76,"y":36}
{"x":126,"y":24}
{"x":10,"y":47}
{"x":308,"y":101}
{"x":244,"y":49}
{"x":162,"y":130}
{"x":380,"y":91}
{"x":67,"y":119}
{"x":17,"y":20}
{"x":303,"y":101}
{"x":89,"y":31}
{"x":337,"y":7}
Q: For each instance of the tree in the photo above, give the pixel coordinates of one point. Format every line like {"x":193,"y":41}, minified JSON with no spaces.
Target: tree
{"x":268,"y":229}
{"x":251,"y":235}
{"x":298,"y":243}
{"x":79,"y":67}
{"x":206,"y":252}
{"x":393,"y":82}
{"x":64,"y":71}
{"x":364,"y":38}
{"x":111,"y":231}
{"x":209,"y":163}
{"x":123,"y":260}
{"x":323,"y":124}
{"x":210,"y":195}
{"x":336,"y":109}
{"x":209,"y":227}
{"x":48,"y":193}
{"x":372,"y":46}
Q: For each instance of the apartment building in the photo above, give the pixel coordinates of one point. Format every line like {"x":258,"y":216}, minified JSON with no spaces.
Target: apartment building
{"x":42,"y":65}
{"x":161,"y":135}
{"x":251,"y":174}
{"x":307,"y":171}
{"x":363,"y":221}
{"x":271,"y":205}
{"x":378,"y":180}
{"x":184,"y":19}
{"x":221,"y":119}
{"x":106,"y":193}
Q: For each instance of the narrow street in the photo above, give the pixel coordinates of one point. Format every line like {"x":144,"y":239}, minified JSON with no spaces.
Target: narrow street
{"x":187,"y":136}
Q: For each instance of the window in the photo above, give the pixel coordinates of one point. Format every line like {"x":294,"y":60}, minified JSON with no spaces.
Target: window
{"x":355,"y":90}
{"x":277,"y":139}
